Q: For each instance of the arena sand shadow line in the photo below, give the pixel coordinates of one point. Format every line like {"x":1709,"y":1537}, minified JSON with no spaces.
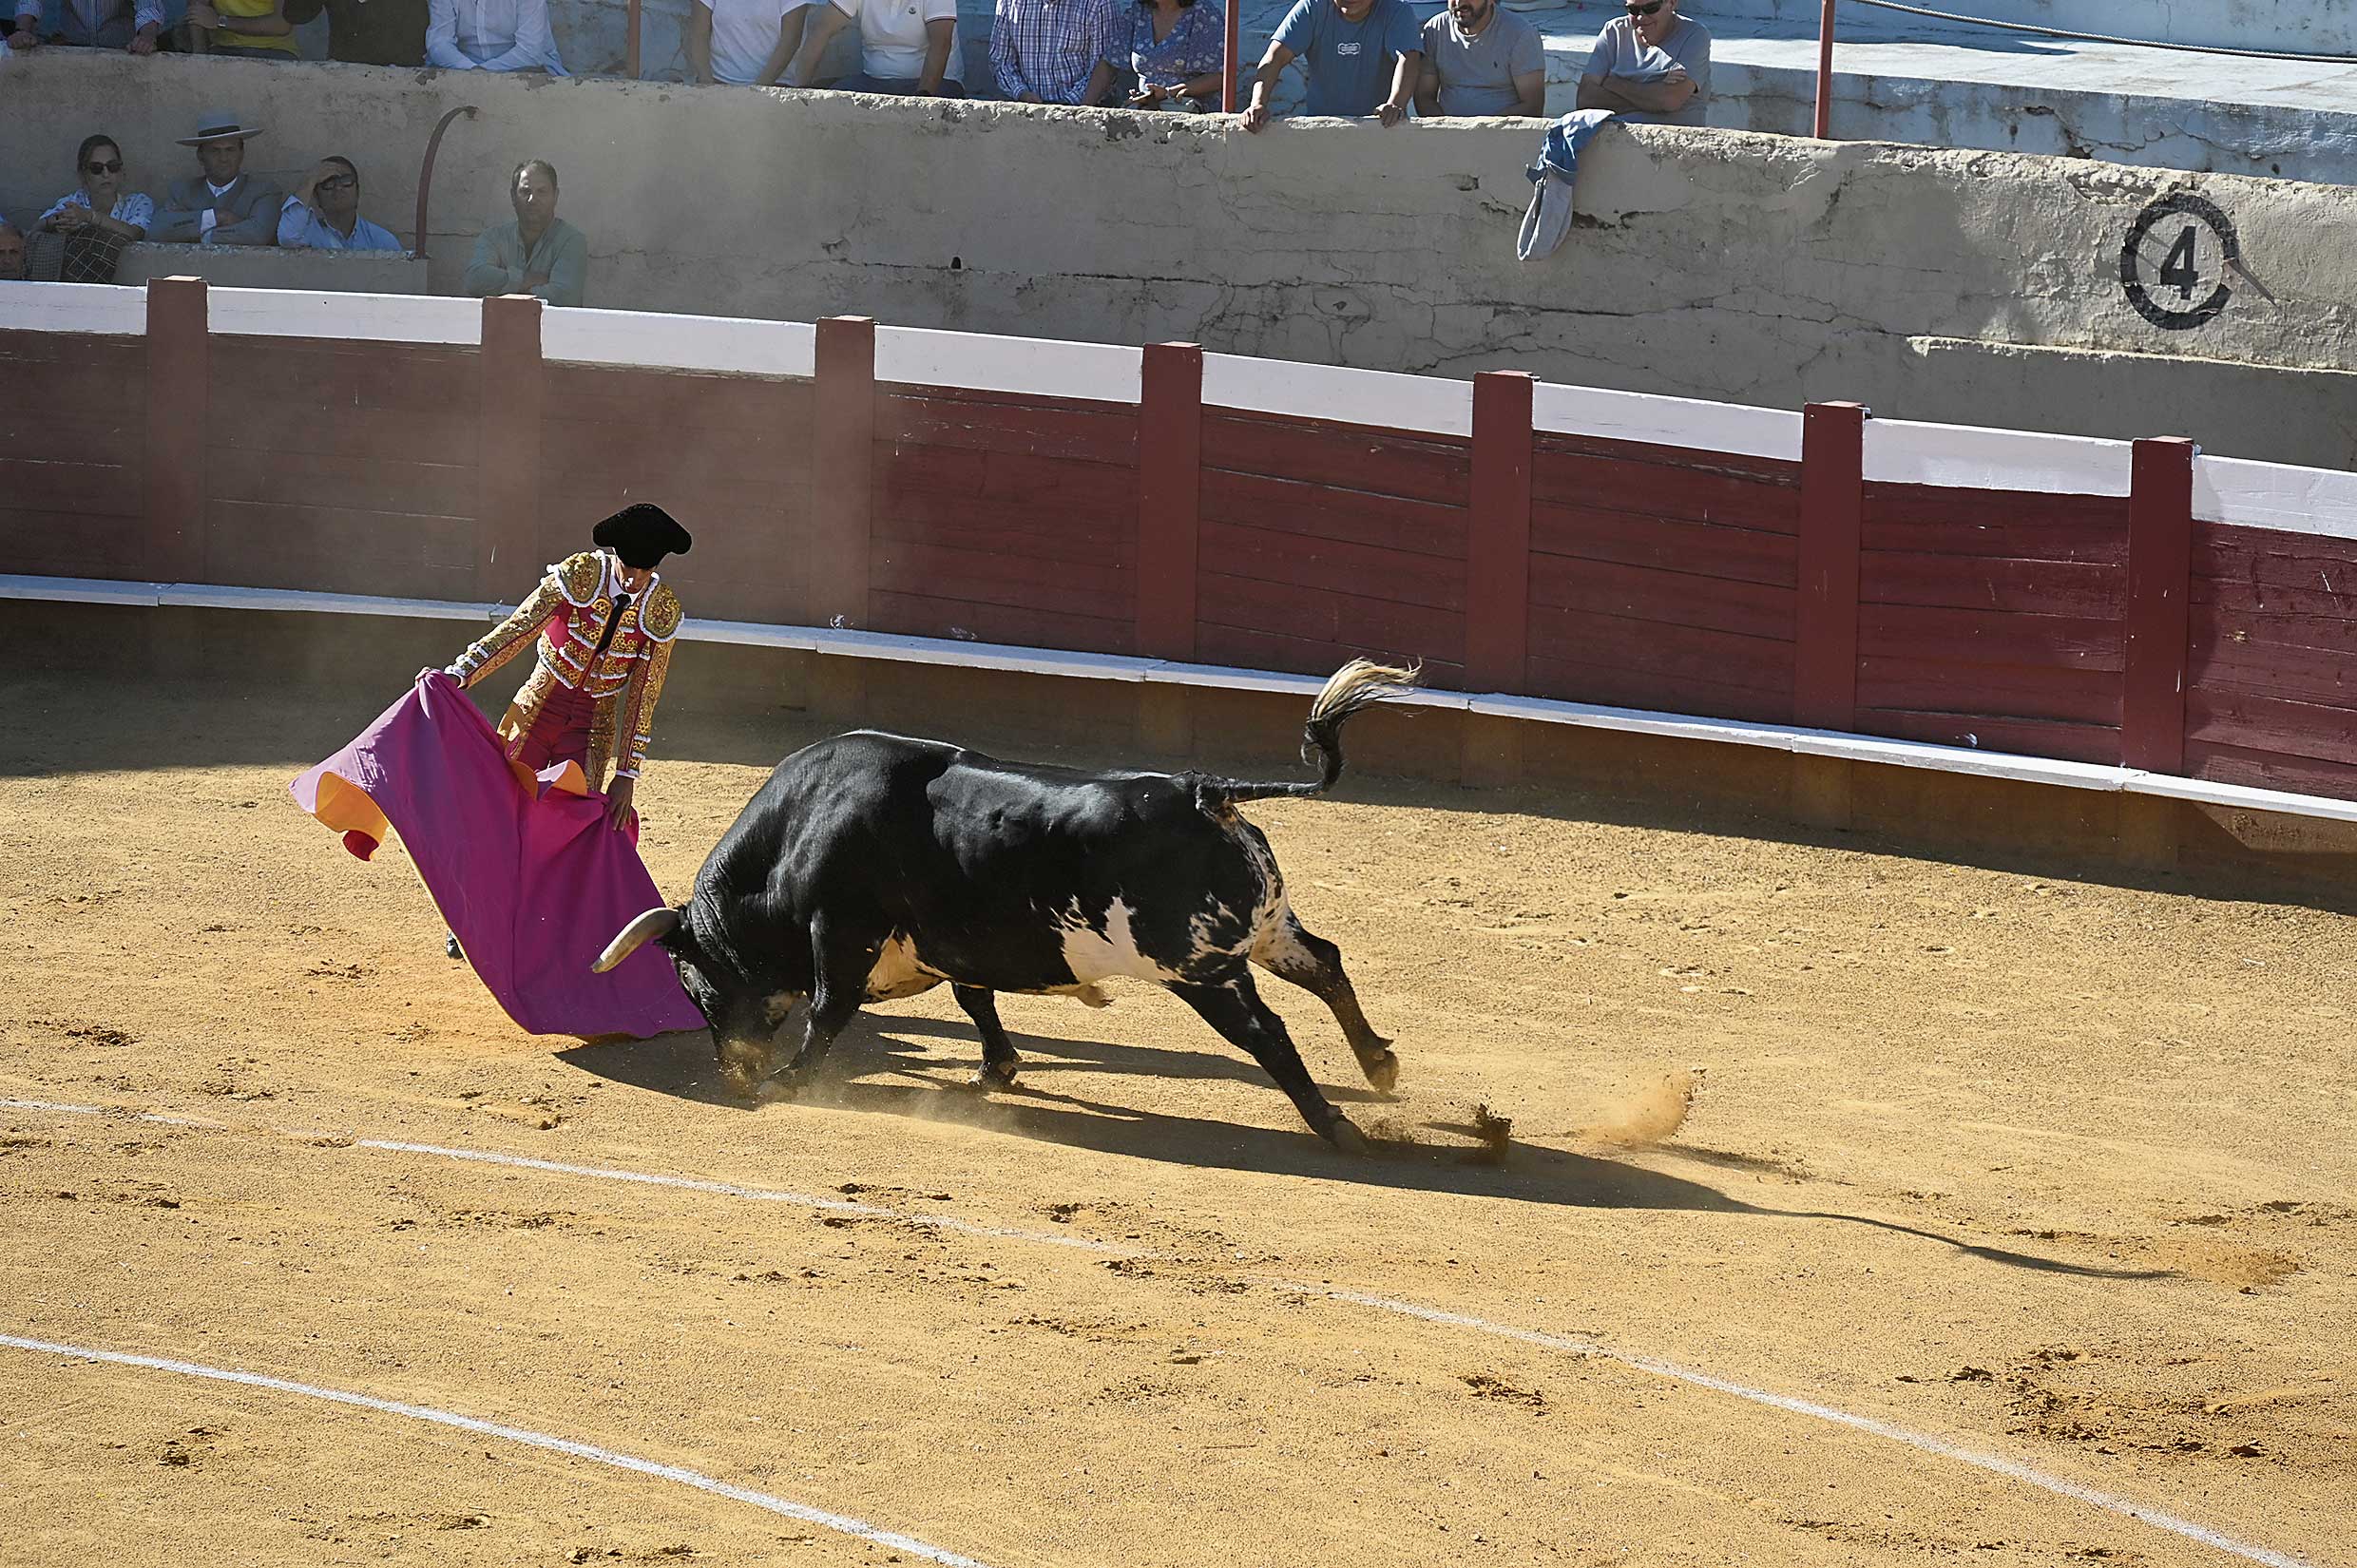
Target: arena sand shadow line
{"x":1922,"y":1441}
{"x":681,"y":1066}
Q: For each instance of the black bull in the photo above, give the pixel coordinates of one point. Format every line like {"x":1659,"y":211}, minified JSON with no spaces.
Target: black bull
{"x":870,"y":866}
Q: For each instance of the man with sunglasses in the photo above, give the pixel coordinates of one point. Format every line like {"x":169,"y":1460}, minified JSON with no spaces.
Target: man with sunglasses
{"x":324,"y":213}
{"x":1650,"y":65}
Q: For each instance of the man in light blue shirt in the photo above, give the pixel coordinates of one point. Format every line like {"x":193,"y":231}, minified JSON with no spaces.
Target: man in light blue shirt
{"x":1345,"y":46}
{"x":324,"y":213}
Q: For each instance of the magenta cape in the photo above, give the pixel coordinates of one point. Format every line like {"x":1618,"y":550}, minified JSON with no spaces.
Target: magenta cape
{"x":531,"y":881}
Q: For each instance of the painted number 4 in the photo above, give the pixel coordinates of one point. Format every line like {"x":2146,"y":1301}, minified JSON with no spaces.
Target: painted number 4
{"x":2178,"y":270}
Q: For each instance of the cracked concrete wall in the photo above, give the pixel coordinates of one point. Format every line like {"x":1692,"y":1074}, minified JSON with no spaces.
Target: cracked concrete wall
{"x":1705,"y":263}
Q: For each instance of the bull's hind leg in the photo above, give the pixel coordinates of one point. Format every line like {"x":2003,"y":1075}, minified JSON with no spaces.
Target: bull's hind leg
{"x":999,"y":1056}
{"x":1291,"y":952}
{"x":1236,"y":1011}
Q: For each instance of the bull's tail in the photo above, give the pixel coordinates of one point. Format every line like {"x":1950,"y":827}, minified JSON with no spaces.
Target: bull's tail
{"x":1358,"y":684}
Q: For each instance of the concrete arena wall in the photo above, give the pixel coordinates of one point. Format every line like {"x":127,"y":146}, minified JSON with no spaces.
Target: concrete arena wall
{"x":1706,"y":263}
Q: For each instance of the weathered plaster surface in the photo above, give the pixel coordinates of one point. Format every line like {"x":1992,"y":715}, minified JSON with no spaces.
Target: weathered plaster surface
{"x":1706,"y":263}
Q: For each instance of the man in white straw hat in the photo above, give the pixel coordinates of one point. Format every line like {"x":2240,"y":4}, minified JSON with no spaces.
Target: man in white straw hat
{"x":224,"y":205}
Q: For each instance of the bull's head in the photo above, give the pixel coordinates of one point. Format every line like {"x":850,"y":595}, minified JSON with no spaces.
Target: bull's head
{"x":739,"y":1038}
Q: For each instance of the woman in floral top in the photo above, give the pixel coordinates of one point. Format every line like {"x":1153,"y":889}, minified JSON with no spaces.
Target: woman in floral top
{"x":1177,"y":49}
{"x":102,"y":206}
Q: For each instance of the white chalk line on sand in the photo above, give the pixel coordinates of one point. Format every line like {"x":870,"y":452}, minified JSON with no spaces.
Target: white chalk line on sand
{"x":803,"y":1512}
{"x":1924,"y":1442}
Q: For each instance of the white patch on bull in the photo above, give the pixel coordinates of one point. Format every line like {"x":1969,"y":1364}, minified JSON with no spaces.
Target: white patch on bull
{"x":900,"y":972}
{"x":1094,"y":952}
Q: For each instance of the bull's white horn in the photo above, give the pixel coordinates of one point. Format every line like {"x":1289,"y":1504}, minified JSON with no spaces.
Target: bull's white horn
{"x":646,"y":928}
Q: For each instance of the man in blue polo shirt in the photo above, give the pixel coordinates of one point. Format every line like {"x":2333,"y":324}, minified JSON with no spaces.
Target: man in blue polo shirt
{"x":1353,"y":49}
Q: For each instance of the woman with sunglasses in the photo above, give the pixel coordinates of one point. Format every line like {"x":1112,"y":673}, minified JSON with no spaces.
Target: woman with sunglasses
{"x":100,"y":208}
{"x":1649,"y":63}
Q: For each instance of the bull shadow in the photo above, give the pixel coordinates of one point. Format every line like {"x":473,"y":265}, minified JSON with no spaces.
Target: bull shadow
{"x":870,"y":1070}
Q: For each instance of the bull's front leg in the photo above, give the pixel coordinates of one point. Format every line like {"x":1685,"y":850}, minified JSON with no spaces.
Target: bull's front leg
{"x":842,"y":961}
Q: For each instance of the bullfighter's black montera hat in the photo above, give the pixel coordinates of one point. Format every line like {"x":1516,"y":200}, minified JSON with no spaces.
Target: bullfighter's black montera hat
{"x":642,"y":534}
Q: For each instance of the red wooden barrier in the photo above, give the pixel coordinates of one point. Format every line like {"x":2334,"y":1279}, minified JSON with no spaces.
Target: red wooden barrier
{"x":1833,"y":506}
{"x":1497,"y":568}
{"x":180,"y":380}
{"x":1170,"y":494}
{"x":507,"y":477}
{"x":2160,"y":569}
{"x":842,"y":474}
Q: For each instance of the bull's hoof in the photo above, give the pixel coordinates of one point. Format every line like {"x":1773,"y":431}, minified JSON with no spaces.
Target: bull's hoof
{"x":1345,"y":1135}
{"x":991,"y":1075}
{"x":1382,"y":1070}
{"x":450,"y":946}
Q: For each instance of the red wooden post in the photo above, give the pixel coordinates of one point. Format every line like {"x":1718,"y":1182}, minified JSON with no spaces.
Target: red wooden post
{"x":1832,"y":512}
{"x":180,"y":383}
{"x":1230,"y":65}
{"x":1824,"y":73}
{"x":513,"y":387}
{"x":1497,"y":568}
{"x":635,"y":23}
{"x":842,"y":474}
{"x":1170,"y":489}
{"x":2160,"y":570}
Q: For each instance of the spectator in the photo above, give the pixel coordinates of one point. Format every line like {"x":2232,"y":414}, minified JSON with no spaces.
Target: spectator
{"x":368,"y":32}
{"x":906,"y":46}
{"x":1479,"y":59}
{"x":1649,"y":63}
{"x":743,"y":41}
{"x":324,"y":213}
{"x":98,"y":220}
{"x":1054,"y":52}
{"x":12,"y":254}
{"x":226,"y":206}
{"x":129,"y":24}
{"x":1342,"y":45}
{"x":249,"y":30}
{"x":1178,"y":49}
{"x":492,"y":35}
{"x":539,"y":253}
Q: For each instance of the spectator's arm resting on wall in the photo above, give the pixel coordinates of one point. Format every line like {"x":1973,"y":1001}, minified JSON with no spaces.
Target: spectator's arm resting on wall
{"x":258,"y":226}
{"x":1264,"y":82}
{"x":486,"y":273}
{"x":534,"y":45}
{"x":1405,"y":73}
{"x":442,"y":37}
{"x":792,"y":28}
{"x":1109,"y":30}
{"x":1429,"y":89}
{"x":28,"y":31}
{"x":148,"y":22}
{"x":816,"y":35}
{"x":697,"y":36}
{"x":568,"y":271}
{"x":176,"y":224}
{"x":1530,"y":90}
{"x":940,"y":38}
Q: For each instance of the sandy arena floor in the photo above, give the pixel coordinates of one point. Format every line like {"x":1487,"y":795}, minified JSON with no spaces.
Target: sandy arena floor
{"x":2040,"y":1169}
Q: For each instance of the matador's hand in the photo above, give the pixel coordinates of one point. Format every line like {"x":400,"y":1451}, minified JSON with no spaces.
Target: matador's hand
{"x":618,"y":797}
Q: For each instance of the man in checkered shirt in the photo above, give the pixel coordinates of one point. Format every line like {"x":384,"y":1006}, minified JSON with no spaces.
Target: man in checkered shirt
{"x":1055,"y":51}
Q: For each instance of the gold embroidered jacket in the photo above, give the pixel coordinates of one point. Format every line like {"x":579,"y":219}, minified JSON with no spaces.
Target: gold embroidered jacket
{"x":566,"y":618}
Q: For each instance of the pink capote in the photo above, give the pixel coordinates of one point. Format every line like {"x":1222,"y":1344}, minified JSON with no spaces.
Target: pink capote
{"x":531,"y":881}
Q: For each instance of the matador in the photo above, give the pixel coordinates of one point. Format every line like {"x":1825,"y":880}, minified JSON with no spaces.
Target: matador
{"x":600,"y":625}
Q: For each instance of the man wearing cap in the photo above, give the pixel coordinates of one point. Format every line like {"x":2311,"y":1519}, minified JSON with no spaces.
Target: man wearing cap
{"x":1649,"y":64}
{"x":602,"y":624}
{"x":131,"y":26}
{"x":224,"y":205}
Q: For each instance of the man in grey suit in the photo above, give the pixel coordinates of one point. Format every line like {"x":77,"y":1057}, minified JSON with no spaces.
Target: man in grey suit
{"x":224,"y":205}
